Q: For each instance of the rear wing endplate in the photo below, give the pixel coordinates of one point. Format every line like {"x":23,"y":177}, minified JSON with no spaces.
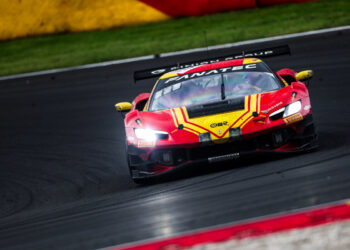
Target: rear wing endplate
{"x":261,"y":53}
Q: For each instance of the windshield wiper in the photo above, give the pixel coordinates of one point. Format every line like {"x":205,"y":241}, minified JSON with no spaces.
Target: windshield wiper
{"x":222,"y":88}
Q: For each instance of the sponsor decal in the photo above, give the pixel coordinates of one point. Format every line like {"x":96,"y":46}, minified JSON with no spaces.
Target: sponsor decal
{"x":271,"y":108}
{"x":214,"y":125}
{"x":223,"y":157}
{"x":293,"y":118}
{"x":211,"y":72}
{"x":145,"y":144}
{"x":144,"y":74}
{"x":195,"y":64}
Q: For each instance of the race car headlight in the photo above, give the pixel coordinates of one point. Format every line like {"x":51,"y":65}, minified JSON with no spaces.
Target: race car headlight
{"x":292,"y":108}
{"x":150,"y":134}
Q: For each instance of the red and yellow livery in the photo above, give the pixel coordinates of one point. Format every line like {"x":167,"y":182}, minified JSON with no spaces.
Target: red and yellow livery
{"x":217,"y":112}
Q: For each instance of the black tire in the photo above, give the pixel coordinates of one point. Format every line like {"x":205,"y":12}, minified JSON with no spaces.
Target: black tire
{"x":128,"y":162}
{"x":137,"y":180}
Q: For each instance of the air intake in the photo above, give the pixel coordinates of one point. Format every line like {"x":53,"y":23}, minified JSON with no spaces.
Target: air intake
{"x":215,"y":108}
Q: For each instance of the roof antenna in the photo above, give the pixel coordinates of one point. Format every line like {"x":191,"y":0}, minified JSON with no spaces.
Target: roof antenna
{"x":206,"y":42}
{"x":243,"y":54}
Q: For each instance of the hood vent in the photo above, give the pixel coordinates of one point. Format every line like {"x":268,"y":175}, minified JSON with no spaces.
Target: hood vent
{"x":215,"y":108}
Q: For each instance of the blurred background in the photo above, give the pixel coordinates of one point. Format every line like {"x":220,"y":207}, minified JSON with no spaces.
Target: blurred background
{"x":43,"y":34}
{"x":64,"y":181}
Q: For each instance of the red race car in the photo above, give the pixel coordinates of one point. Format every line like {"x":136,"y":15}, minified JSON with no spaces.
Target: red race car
{"x":218,"y":110}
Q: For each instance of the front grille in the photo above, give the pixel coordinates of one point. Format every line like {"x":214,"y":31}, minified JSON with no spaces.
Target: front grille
{"x":169,"y":156}
{"x":275,"y":139}
{"x":268,"y":141}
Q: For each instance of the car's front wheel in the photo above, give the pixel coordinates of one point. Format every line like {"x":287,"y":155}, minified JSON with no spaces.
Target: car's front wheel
{"x":133,"y":174}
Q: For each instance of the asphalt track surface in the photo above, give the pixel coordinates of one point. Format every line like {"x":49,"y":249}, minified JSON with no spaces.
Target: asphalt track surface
{"x":64,"y":183}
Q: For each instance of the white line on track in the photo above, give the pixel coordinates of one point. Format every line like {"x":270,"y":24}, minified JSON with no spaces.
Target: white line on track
{"x":176,"y":53}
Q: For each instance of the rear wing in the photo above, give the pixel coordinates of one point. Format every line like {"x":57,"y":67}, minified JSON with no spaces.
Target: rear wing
{"x":261,"y":53}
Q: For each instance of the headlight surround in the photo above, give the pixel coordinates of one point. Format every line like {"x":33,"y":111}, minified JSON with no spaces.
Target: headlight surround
{"x":149,"y":134}
{"x":278,"y":112}
{"x":292,"y":109}
{"x":286,"y":111}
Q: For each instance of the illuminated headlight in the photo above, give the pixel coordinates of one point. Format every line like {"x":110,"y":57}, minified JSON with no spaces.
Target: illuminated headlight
{"x":292,"y":108}
{"x":150,"y":134}
{"x":289,"y":110}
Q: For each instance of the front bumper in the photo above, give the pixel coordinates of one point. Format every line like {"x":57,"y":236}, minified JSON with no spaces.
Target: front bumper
{"x":299,"y":137}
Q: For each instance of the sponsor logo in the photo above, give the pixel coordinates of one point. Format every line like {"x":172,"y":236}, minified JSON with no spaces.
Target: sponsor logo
{"x":195,"y":64}
{"x":271,"y":108}
{"x":223,"y":157}
{"x":211,"y":72}
{"x":220,"y":124}
{"x":258,"y":53}
{"x":145,"y":144}
{"x":293,"y":118}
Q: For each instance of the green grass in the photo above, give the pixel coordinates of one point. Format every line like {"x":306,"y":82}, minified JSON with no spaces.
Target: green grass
{"x":63,"y":50}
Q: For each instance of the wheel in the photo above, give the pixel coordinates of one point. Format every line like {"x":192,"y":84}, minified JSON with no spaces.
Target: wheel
{"x":137,"y":180}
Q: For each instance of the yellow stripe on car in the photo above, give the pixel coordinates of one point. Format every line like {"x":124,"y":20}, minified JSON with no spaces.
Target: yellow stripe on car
{"x":219,"y":133}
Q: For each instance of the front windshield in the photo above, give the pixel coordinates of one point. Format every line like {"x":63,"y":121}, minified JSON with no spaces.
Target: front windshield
{"x":248,"y":83}
{"x":196,"y":91}
{"x":212,"y":88}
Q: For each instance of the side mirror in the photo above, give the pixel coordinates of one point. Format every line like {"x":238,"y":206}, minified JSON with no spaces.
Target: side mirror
{"x":304,"y":75}
{"x":123,"y":106}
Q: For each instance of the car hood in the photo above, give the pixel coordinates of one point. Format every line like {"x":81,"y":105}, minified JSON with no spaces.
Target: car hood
{"x":216,"y":118}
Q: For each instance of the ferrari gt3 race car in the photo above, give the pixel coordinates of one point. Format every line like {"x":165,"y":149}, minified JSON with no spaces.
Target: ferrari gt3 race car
{"x":218,"y":110}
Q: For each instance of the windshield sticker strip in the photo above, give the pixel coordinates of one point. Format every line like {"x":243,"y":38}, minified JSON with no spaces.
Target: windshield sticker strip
{"x":248,"y":67}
